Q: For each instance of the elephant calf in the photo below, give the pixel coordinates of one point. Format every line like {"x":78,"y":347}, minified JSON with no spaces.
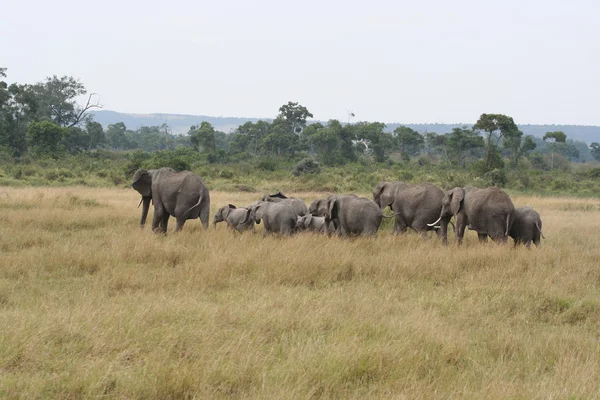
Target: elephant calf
{"x":236,"y":218}
{"x":526,"y":227}
{"x":309,"y":223}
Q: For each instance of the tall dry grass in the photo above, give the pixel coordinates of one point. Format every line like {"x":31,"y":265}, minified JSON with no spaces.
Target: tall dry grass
{"x":92,"y":306}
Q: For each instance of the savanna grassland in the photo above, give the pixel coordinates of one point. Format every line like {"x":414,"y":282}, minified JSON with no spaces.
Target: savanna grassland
{"x":92,"y":306}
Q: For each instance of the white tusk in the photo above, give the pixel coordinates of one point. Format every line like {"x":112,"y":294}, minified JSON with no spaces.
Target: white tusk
{"x":140,"y":202}
{"x":435,"y":223}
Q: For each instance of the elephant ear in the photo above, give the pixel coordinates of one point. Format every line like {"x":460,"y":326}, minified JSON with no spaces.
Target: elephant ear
{"x":377,"y":193}
{"x":142,"y":182}
{"x":457,"y":196}
{"x":225,"y":211}
{"x":231,"y":206}
{"x":332,"y":207}
{"x":256,"y":213}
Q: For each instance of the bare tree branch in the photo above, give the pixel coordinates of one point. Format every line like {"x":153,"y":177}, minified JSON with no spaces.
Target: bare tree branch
{"x":88,"y":105}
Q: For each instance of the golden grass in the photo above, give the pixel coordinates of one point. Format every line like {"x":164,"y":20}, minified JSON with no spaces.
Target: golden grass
{"x":92,"y":306}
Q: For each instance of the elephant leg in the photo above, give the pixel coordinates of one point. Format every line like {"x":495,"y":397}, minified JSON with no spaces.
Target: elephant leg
{"x":483,"y":238}
{"x":157,"y":217}
{"x":204,"y":215}
{"x":399,"y":226}
{"x":179,"y":226}
{"x":164,"y":222}
{"x":461,"y":224}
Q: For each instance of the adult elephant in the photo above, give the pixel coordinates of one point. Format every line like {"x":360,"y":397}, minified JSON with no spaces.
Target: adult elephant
{"x":415,"y":205}
{"x":319,"y":207}
{"x":489,"y":212}
{"x":526,"y":227}
{"x":353,"y":215}
{"x":297,"y":204}
{"x":277,"y":217}
{"x":182,"y":195}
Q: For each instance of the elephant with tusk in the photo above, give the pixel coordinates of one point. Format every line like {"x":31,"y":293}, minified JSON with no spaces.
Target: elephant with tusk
{"x":489,"y":212}
{"x":413,"y":204}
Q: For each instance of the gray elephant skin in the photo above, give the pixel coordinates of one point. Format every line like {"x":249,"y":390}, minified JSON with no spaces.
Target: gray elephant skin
{"x":182,"y":195}
{"x":277,"y":217}
{"x":311,"y":223}
{"x":526,"y":227}
{"x":415,"y":205}
{"x":353,"y":215}
{"x":297,"y":204}
{"x":235,"y":218}
{"x":489,"y":212}
{"x":318,"y":208}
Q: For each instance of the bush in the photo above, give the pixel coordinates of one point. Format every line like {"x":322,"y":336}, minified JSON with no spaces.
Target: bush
{"x":496,"y":177}
{"x":267,"y":164}
{"x":307,"y":166}
{"x":595,"y":173}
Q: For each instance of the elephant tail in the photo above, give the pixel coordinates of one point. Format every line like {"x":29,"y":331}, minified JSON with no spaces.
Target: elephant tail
{"x":508,"y":220}
{"x":540,"y":229}
{"x":187,"y":213}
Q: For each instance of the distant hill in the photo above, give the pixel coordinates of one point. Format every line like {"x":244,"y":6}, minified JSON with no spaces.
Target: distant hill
{"x":180,"y":123}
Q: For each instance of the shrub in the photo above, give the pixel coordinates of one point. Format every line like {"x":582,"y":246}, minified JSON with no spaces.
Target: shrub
{"x":496,"y":177}
{"x":307,"y":166}
{"x":267,"y":164}
{"x":226,"y":174}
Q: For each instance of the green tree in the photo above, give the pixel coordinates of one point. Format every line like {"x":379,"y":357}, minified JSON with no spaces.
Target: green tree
{"x":380,"y":143}
{"x":57,"y":101}
{"x":410,"y":142}
{"x":495,"y":127}
{"x":595,"y":150}
{"x":518,"y":145}
{"x":553,"y":138}
{"x":249,"y":137}
{"x":294,"y":116}
{"x":280,"y":140}
{"x":46,"y":138}
{"x":203,"y":137}
{"x":96,"y":134}
{"x":462,"y":143}
{"x":118,"y":137}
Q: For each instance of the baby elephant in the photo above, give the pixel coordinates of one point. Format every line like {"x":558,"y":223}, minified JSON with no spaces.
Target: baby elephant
{"x":236,"y":218}
{"x":309,"y":223}
{"x":526,"y":227}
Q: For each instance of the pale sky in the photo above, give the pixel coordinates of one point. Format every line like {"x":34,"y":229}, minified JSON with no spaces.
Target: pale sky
{"x":389,"y":61}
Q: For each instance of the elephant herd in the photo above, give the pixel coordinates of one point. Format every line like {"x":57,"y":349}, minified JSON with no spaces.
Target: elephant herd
{"x":422,"y":207}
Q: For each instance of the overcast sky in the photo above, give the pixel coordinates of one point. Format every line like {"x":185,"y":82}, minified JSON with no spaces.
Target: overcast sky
{"x":392,"y":61}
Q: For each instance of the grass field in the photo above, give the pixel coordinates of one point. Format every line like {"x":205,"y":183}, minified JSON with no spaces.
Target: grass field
{"x":92,"y":306}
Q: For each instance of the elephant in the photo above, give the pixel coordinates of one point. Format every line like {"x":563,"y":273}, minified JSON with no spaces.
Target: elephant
{"x":236,"y":218}
{"x":489,"y":212}
{"x":182,"y":195}
{"x":278,"y":217}
{"x":353,"y":215}
{"x":526,"y":227}
{"x":311,"y":223}
{"x":414,"y":205}
{"x":318,"y":208}
{"x":297,"y":204}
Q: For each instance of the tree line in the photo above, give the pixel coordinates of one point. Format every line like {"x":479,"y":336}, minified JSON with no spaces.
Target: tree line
{"x":45,"y":119}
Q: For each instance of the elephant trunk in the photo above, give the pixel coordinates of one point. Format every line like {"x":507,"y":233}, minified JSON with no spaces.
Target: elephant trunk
{"x":145,"y":207}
